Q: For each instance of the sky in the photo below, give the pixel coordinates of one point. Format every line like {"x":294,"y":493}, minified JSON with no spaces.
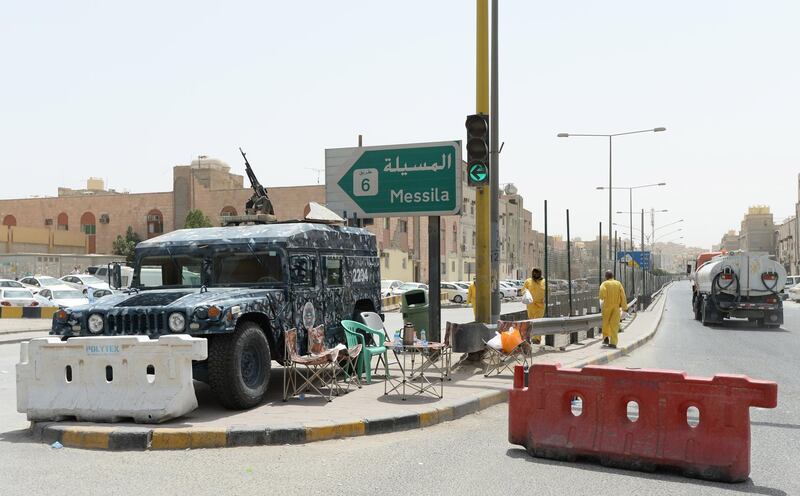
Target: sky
{"x":127,"y":90}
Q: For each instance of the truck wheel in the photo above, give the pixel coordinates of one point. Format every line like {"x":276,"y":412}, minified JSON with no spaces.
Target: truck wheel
{"x":703,"y":305}
{"x":239,"y":366}
{"x":696,"y":309}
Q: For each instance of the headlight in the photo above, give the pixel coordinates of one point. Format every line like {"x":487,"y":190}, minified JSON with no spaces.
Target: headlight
{"x":177,"y":322}
{"x":95,"y":323}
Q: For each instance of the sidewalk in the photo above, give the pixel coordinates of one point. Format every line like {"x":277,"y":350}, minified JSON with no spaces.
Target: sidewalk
{"x":363,"y":411}
{"x":18,"y":330}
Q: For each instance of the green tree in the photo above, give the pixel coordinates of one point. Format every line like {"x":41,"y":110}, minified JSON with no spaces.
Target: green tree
{"x":125,"y":246}
{"x":196,"y":218}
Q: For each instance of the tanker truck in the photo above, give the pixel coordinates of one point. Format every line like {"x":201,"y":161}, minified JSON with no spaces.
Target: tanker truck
{"x":738,"y":285}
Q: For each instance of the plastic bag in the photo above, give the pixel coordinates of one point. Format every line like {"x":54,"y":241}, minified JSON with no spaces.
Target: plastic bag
{"x":510,"y":339}
{"x":527,"y":298}
{"x":495,"y":342}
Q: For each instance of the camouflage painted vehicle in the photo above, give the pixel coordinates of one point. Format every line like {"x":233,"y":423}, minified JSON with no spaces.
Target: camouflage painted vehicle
{"x":241,"y":287}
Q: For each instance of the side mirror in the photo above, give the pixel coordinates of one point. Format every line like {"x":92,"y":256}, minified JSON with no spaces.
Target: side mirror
{"x":116,"y":276}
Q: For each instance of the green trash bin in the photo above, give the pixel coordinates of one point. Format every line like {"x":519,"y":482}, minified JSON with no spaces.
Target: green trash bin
{"x":414,"y":305}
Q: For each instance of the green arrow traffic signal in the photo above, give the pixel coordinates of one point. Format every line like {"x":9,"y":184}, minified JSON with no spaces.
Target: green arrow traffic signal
{"x":477,"y":174}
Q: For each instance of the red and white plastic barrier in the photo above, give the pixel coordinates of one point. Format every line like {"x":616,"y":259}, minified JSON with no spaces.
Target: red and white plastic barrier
{"x":545,"y":418}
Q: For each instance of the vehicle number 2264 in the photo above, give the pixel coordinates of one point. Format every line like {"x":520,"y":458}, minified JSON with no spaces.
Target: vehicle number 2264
{"x":365,"y":182}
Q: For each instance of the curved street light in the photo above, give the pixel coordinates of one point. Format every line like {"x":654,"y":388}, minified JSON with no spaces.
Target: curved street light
{"x":610,"y":185}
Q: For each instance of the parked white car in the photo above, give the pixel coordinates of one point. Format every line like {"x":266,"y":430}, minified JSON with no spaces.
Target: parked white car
{"x":794,"y":293}
{"x":36,"y":283}
{"x":10,"y":283}
{"x":17,"y":297}
{"x":507,"y":290}
{"x":64,"y":296}
{"x":408,"y":285}
{"x":83,"y":281}
{"x":457,"y":293}
{"x":387,"y":285}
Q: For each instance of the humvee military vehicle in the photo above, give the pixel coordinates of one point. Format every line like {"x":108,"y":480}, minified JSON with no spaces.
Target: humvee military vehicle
{"x":240,"y":287}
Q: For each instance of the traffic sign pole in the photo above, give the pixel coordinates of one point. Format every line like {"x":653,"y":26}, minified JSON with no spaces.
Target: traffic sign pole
{"x":494,"y":174}
{"x":483,"y":194}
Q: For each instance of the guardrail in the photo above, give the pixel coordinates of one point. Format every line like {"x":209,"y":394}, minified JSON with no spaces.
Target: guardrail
{"x":469,"y":338}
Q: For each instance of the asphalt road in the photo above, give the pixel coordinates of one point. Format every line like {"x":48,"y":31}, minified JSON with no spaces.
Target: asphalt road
{"x":469,"y":456}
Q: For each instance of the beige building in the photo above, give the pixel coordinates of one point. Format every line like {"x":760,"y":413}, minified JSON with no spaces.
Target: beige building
{"x":758,"y":230}
{"x":94,"y":216}
{"x":103,"y":214}
{"x":729,"y":242}
{"x":786,"y":245}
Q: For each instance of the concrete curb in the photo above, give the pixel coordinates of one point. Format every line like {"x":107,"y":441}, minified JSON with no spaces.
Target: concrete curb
{"x":169,"y":438}
{"x":619,"y":352}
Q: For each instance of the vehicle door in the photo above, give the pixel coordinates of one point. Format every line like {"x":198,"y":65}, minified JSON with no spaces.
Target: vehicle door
{"x":338,"y":299}
{"x":305,"y":295}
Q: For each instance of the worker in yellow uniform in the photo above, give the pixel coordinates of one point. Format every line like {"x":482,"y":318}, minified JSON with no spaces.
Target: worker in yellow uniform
{"x":471,"y":297}
{"x":612,"y":302}
{"x":536,"y":286}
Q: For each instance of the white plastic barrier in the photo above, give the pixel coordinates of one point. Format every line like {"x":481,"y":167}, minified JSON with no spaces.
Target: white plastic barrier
{"x":108,"y":379}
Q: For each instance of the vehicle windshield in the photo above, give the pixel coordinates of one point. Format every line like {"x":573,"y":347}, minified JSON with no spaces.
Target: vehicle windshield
{"x":68,"y":295}
{"x":407,"y":286}
{"x":11,"y":284}
{"x":16,"y":293}
{"x":385,"y":284}
{"x":50,"y":281}
{"x":170,"y":271}
{"x":91,"y":280}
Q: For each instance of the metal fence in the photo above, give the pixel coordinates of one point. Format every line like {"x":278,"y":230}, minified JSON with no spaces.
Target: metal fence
{"x":574,"y":272}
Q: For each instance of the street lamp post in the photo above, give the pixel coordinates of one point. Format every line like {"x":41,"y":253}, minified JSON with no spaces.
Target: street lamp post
{"x":630,"y":200}
{"x":610,"y":185}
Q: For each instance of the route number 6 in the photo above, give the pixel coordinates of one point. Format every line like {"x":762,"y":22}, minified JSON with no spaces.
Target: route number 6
{"x":365,"y":182}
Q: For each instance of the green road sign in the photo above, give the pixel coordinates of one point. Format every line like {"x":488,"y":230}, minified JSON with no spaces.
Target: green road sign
{"x":478,"y":173}
{"x":396,"y":180}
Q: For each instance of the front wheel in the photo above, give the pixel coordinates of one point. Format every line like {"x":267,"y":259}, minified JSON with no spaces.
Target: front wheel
{"x":457,"y":299}
{"x":239,"y":366}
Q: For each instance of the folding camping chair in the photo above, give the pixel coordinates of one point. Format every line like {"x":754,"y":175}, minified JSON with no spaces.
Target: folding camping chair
{"x":498,"y":361}
{"x":319,"y":365}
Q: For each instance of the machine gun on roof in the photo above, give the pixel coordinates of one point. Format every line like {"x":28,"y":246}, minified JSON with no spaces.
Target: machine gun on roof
{"x":259,"y":203}
{"x":258,"y":209}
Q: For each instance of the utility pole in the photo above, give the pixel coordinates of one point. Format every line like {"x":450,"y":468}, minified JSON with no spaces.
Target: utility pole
{"x":494,"y":174}
{"x":483,"y":286}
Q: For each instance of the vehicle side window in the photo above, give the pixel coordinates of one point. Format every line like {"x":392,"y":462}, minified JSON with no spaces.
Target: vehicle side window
{"x":333,"y":270}
{"x":35,"y":282}
{"x":45,"y":293}
{"x":247,"y":268}
{"x":302,"y":268}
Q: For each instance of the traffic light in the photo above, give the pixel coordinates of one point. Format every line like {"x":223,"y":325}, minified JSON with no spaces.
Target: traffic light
{"x":477,"y":150}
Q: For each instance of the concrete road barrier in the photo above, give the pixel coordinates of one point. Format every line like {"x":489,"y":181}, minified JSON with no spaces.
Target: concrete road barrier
{"x":108,"y":379}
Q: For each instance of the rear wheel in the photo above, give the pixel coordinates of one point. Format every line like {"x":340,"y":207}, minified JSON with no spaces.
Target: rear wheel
{"x":457,"y":299}
{"x":239,"y":366}
{"x":704,"y":312}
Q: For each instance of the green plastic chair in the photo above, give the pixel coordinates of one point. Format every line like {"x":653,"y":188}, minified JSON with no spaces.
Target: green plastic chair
{"x":351,"y":329}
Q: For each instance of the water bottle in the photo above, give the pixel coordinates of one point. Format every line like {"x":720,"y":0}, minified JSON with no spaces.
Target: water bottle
{"x":423,"y":338}
{"x":398,"y":341}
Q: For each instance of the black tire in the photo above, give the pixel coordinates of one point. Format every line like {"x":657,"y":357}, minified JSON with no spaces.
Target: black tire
{"x":457,"y":299}
{"x":239,"y":366}
{"x":697,"y":310}
{"x":703,"y":304}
